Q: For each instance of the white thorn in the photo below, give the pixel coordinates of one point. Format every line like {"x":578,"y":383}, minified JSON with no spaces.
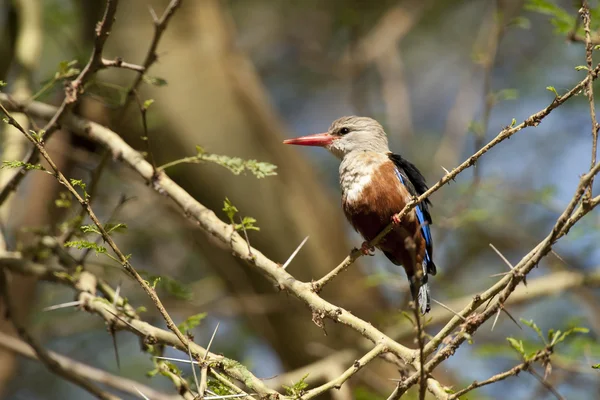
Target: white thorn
{"x":289,"y":260}
{"x":63,"y":305}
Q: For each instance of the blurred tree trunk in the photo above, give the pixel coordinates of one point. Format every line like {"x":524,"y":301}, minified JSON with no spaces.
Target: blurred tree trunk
{"x":215,"y":99}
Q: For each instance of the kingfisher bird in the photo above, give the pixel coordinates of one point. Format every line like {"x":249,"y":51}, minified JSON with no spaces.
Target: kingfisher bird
{"x":376,"y":184}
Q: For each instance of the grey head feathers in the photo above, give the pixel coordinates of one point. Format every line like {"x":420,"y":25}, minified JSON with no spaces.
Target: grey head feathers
{"x":357,"y":134}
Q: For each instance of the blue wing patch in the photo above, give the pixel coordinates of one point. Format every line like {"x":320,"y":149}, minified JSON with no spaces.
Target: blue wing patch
{"x":421,"y":218}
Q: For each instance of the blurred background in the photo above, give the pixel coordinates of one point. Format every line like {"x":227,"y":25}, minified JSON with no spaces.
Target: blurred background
{"x":237,"y":77}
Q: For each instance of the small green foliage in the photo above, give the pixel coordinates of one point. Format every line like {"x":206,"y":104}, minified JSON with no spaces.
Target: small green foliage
{"x":506,"y":94}
{"x":64,"y":200}
{"x":513,"y":122}
{"x":562,"y":20}
{"x":172,"y":368}
{"x":408,"y":317}
{"x":2,"y":83}
{"x":533,"y":326}
{"x":117,"y":227}
{"x":154,"y":281}
{"x":79,"y":183}
{"x":89,"y":229}
{"x":297,"y":389}
{"x":109,"y":228}
{"x":84,"y":244}
{"x":66,"y":69}
{"x":581,"y":68}
{"x":558,"y":336}
{"x":176,"y":288}
{"x":517,"y":345}
{"x":596,"y":366}
{"x":38,"y":136}
{"x":147,"y":104}
{"x":155,"y":81}
{"x":230,"y":210}
{"x":597,"y":47}
{"x":170,"y":285}
{"x":551,"y":88}
{"x":141,"y":309}
{"x":191,"y":322}
{"x":247,"y":222}
{"x":234,"y":164}
{"x":22,"y":164}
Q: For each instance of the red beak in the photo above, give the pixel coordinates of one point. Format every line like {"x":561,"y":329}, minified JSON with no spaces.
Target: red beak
{"x":318,"y":139}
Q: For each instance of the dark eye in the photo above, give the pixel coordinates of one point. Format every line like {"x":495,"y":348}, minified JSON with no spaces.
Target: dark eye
{"x":343,"y":131}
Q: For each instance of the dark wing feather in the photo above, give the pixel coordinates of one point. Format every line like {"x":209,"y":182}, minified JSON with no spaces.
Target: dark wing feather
{"x":414,"y":181}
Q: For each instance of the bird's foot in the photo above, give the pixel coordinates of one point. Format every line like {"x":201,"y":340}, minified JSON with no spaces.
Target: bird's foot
{"x":396,"y":220}
{"x":367,"y":250}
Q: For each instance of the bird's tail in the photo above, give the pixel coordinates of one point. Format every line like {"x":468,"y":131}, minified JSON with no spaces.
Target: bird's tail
{"x":420,"y":290}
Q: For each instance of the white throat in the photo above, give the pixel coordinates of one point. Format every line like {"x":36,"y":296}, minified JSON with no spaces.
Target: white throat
{"x":356,"y":172}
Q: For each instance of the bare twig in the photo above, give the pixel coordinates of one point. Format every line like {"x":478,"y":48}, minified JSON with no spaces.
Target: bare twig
{"x":589,"y":48}
{"x":160,"y":25}
{"x":85,"y":371}
{"x":524,"y":366}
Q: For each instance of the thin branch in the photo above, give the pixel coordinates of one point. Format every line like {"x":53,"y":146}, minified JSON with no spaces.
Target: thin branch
{"x":356,"y":366}
{"x":42,"y":354}
{"x":160,"y":25}
{"x":72,"y":91}
{"x":589,"y":48}
{"x":524,"y":366}
{"x":119,"y":63}
{"x":85,"y":371}
{"x":85,"y":287}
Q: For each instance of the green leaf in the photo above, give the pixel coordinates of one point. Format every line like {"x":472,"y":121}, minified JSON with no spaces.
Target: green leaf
{"x":155,"y":81}
{"x":191,"y":322}
{"x":247,"y":224}
{"x":230,"y":210}
{"x":147,"y":104}
{"x":64,"y":200}
{"x":22,"y":164}
{"x":297,"y":388}
{"x":596,"y":366}
{"x":513,"y":122}
{"x":560,"y":337}
{"x":517,"y":345}
{"x":562,"y":20}
{"x":533,"y":326}
{"x":89,"y":229}
{"x":551,"y":88}
{"x":79,"y":183}
{"x":236,"y":165}
{"x":154,"y":281}
{"x":66,"y":70}
{"x":581,"y":68}
{"x":2,"y":83}
{"x":84,"y":244}
{"x":118,"y":227}
{"x":507,"y":94}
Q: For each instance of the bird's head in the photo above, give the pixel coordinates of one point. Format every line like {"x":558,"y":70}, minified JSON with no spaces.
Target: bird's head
{"x":347,"y":135}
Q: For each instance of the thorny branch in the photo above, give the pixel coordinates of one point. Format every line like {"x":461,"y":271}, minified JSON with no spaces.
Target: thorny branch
{"x":589,"y":47}
{"x":72,"y":91}
{"x":48,"y":359}
{"x":307,"y":292}
{"x":85,"y":371}
{"x":542,"y":355}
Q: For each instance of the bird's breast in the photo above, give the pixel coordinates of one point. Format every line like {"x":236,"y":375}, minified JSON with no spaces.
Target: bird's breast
{"x":371,"y":195}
